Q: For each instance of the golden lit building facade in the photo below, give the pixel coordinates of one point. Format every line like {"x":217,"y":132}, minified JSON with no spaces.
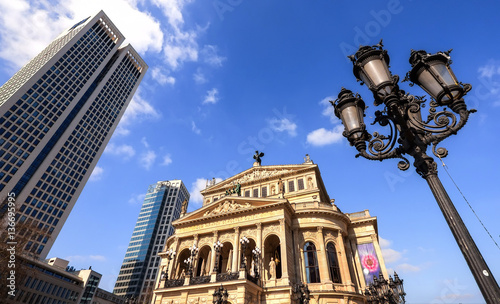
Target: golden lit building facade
{"x":292,"y":234}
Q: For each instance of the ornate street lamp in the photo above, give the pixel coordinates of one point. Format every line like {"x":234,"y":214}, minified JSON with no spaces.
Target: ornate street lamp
{"x":411,"y":135}
{"x":256,"y":254}
{"x":302,"y":293}
{"x":244,"y":243}
{"x":220,"y":295}
{"x":217,"y":246}
{"x":170,"y":255}
{"x":194,"y":251}
{"x":383,"y":292}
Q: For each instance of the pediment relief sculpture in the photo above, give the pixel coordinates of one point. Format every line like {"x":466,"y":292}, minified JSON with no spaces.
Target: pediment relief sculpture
{"x":227,"y":207}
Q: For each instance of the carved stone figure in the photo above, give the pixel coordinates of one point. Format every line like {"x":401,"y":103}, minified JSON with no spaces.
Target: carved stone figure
{"x":184,"y":207}
{"x":281,"y":188}
{"x":257,"y":157}
{"x":272,"y":269}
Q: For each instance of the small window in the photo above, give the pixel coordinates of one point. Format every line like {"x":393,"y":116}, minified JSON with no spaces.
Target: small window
{"x":255,"y":192}
{"x":247,"y":193}
{"x":264,"y":191}
{"x":300,"y":183}
{"x":291,"y":186}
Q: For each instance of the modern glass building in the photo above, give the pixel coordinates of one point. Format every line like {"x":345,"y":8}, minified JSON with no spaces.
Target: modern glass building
{"x":56,"y":116}
{"x":139,"y":270}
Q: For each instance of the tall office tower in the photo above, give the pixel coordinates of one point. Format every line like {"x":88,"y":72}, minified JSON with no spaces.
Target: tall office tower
{"x":56,"y":116}
{"x":161,"y":206}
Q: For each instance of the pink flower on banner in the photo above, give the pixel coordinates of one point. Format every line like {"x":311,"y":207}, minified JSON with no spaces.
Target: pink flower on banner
{"x":370,"y":262}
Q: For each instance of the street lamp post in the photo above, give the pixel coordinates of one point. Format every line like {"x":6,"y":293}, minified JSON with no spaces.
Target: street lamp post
{"x":256,"y":254}
{"x":170,"y":255}
{"x":194,"y":251}
{"x":244,"y":243}
{"x":217,"y":246}
{"x":220,"y":295}
{"x":382,"y":292}
{"x":402,"y":113}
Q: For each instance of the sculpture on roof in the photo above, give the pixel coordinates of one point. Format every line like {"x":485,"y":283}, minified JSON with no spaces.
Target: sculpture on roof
{"x":257,"y":156}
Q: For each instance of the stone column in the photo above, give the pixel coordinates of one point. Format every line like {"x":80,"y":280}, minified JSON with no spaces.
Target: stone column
{"x":212,"y":258}
{"x":173,"y":269}
{"x":260,"y":265}
{"x":236,"y":250}
{"x":379,"y":255}
{"x":284,"y":253}
{"x":297,"y":259}
{"x":342,"y":260}
{"x":322,"y":260}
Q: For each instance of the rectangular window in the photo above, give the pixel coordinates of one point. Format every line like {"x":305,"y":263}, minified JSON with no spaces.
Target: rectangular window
{"x":291,"y":186}
{"x":256,"y":192}
{"x":300,"y":183}
{"x":247,"y":193}
{"x":264,"y":191}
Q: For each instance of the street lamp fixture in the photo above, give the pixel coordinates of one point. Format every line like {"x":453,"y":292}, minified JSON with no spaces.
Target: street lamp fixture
{"x":220,"y":295}
{"x":194,"y":251}
{"x":170,"y":255}
{"x":256,"y":252}
{"x":411,"y":135}
{"x":302,"y":292}
{"x":244,"y":243}
{"x":218,"y":247}
{"x":383,"y":292}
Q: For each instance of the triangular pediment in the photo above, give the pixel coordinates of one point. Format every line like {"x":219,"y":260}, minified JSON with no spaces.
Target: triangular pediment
{"x":229,"y":206}
{"x":257,"y":174}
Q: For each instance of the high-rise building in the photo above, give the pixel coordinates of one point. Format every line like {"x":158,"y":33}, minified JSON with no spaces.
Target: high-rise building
{"x":56,"y":116}
{"x":162,"y":205}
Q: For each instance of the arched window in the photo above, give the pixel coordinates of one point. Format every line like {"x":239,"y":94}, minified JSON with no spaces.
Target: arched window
{"x":333,"y":263}
{"x":311,"y":262}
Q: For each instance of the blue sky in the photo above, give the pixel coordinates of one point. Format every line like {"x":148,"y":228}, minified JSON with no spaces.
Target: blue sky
{"x":227,"y":77}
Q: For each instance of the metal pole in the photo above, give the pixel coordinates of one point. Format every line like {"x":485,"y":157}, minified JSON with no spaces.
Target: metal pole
{"x":482,"y":274}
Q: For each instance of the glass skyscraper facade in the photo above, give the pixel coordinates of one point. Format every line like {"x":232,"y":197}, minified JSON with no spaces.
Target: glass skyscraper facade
{"x":56,"y":116}
{"x":139,"y":270}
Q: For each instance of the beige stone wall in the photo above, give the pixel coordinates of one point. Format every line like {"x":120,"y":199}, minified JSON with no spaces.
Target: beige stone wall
{"x":290,"y":221}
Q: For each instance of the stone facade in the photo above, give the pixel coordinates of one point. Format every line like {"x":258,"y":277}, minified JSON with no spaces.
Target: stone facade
{"x":304,"y":238}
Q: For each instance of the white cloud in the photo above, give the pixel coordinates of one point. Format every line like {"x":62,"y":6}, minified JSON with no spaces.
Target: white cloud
{"x":212,"y":96}
{"x":328,"y":109}
{"x":196,"y":187}
{"x":209,"y":55}
{"x":199,"y":77}
{"x":26,"y":27}
{"x":147,"y":159}
{"x":145,"y":142}
{"x":180,"y":45}
{"x":322,"y":137}
{"x":489,"y":70}
{"x":137,"y":199}
{"x":405,"y":267}
{"x":195,"y":128}
{"x":138,"y":109}
{"x":167,"y":160}
{"x":161,"y":78}
{"x":97,"y":174}
{"x":85,"y":258}
{"x":124,"y":150}
{"x":282,"y":125}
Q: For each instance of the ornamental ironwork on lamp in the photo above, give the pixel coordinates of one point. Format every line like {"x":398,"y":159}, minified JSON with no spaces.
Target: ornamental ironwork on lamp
{"x":217,"y":247}
{"x":244,"y":243}
{"x":170,"y":254}
{"x":382,"y":291}
{"x":256,"y":252}
{"x":410,"y":132}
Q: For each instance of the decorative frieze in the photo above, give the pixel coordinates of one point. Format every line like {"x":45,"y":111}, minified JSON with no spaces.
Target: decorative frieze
{"x":226,"y":207}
